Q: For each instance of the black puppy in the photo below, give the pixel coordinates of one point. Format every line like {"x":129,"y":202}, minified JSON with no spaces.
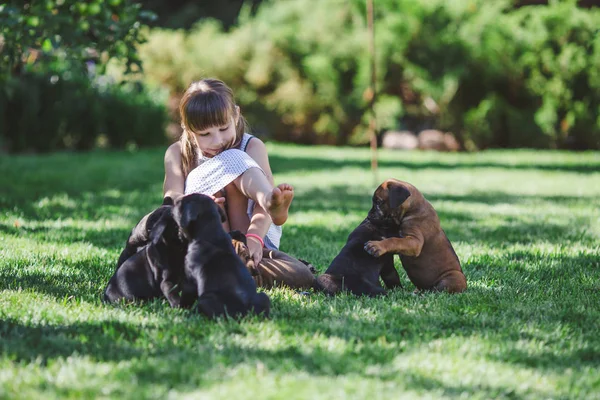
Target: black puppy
{"x":222,"y":281}
{"x":140,"y":234}
{"x":156,"y":269}
{"x":356,"y":270}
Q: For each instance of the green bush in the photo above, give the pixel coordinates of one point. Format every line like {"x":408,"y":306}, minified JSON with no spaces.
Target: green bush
{"x":494,"y":75}
{"x":131,"y":116}
{"x":42,"y":112}
{"x":539,"y":64}
{"x":48,"y":97}
{"x":69,"y":29}
{"x":37,"y":112}
{"x":295,"y":83}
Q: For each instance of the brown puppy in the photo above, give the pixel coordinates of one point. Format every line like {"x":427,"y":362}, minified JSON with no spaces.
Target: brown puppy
{"x":425,"y":251}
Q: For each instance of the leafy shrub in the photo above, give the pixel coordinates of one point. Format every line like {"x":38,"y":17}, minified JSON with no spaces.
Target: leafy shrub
{"x":294,"y":83}
{"x":538,"y":63}
{"x":131,"y":116}
{"x":494,"y":75}
{"x":101,"y":29}
{"x":52,"y":112}
{"x":49,"y":51}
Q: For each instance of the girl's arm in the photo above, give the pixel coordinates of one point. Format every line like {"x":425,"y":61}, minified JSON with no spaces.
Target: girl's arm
{"x":174,"y":183}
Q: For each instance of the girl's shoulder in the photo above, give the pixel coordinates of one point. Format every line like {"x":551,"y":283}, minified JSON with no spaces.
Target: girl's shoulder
{"x":255,"y":145}
{"x":176,"y":146}
{"x":173,"y":151}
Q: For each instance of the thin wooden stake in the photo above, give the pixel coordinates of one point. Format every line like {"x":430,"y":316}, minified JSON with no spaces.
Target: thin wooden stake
{"x":372,"y":90}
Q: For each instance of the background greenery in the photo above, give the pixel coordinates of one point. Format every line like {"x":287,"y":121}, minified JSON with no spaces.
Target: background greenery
{"x":493,"y":74}
{"x":54,"y":93}
{"x":526,"y":226}
{"x":502,"y":74}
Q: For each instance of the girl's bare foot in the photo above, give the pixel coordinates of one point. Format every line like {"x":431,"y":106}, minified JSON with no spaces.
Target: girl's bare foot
{"x":279,"y":203}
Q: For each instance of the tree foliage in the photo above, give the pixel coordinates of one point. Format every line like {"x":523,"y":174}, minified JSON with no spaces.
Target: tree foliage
{"x":69,"y":29}
{"x":493,"y":74}
{"x":53,"y":95}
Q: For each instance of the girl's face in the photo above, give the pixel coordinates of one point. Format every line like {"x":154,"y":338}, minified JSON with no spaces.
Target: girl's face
{"x":213,"y":140}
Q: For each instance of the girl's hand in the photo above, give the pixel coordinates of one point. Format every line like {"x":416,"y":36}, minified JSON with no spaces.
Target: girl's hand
{"x":256,"y":250}
{"x":218,"y":198}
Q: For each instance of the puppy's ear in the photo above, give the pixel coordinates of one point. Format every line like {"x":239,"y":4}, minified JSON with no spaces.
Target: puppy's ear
{"x":397,"y":194}
{"x":159,"y":228}
{"x":222,"y":214}
{"x":188,"y":213}
{"x":167,"y":201}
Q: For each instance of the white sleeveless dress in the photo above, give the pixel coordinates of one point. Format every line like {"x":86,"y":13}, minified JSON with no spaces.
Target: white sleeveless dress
{"x":213,"y":174}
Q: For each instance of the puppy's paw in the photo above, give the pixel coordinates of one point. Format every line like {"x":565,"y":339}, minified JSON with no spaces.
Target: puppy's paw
{"x":374,"y":248}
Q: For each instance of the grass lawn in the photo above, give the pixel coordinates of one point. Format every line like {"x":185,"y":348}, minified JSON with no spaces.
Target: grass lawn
{"x":526,"y":226}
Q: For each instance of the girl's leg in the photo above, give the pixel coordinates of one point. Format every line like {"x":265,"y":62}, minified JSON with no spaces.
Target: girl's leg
{"x":279,"y":269}
{"x":237,"y":209}
{"x":275,"y":200}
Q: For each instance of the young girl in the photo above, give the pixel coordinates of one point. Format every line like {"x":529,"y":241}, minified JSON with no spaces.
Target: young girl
{"x":215,"y":156}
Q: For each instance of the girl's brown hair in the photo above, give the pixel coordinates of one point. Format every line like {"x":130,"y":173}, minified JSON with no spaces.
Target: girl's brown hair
{"x":206,"y":103}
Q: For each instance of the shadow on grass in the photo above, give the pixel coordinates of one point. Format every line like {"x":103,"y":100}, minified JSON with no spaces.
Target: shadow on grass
{"x":401,"y":316}
{"x":60,"y":286}
{"x":103,"y":341}
{"x":282,"y":164}
{"x":462,"y":226}
{"x":30,"y":178}
{"x":88,"y":206}
{"x":551,"y":359}
{"x":354,"y":354}
{"x":457,"y":390}
{"x":112,"y":239}
{"x":330,"y":337}
{"x":316,"y":243}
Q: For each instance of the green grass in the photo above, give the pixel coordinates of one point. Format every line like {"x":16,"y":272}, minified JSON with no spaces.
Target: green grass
{"x":526,"y":226}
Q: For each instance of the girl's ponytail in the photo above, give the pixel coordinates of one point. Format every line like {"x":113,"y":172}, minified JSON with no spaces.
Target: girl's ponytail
{"x":189,"y":152}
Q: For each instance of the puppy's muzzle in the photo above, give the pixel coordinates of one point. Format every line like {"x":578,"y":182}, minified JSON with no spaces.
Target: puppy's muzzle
{"x":379,"y":218}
